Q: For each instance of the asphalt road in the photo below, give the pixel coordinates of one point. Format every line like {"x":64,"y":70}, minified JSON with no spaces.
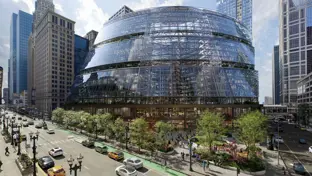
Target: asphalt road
{"x":93,"y":163}
{"x":291,"y":151}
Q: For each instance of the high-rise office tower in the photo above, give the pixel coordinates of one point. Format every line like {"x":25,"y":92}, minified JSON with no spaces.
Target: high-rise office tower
{"x":276,"y":76}
{"x":53,"y":60}
{"x":239,"y":9}
{"x":91,"y":36}
{"x":295,"y":41}
{"x":12,"y":60}
{"x":23,"y":30}
{"x":6,"y":95}
{"x":41,"y":6}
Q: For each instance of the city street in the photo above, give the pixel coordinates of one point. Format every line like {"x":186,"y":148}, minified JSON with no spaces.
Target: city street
{"x":291,"y":151}
{"x":93,"y":163}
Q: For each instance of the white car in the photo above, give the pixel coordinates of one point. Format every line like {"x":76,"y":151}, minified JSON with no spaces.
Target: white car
{"x":134,"y":162}
{"x":310,"y":149}
{"x":126,"y":171}
{"x":50,"y":131}
{"x":57,"y":151}
{"x":279,"y":139}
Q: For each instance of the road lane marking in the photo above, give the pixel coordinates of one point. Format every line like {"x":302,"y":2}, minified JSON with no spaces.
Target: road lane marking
{"x":86,"y":167}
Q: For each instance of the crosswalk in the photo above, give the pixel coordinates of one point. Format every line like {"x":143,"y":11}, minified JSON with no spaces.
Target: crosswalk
{"x":56,"y":142}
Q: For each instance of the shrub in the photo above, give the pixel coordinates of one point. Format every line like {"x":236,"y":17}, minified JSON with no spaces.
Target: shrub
{"x":25,"y":160}
{"x":254,"y":164}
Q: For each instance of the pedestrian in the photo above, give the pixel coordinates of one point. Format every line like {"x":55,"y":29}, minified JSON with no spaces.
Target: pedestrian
{"x":284,"y":170}
{"x":0,"y":164}
{"x":183,"y":156}
{"x":7,"y":151}
{"x":238,"y":171}
{"x":208,"y":165}
{"x":204,"y":165}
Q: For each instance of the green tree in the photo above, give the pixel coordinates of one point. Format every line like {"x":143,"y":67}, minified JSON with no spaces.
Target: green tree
{"x":139,"y":132}
{"x":58,"y":115}
{"x":83,"y":119}
{"x":106,"y":122}
{"x":68,"y":119}
{"x":210,"y":128}
{"x":252,"y":128}
{"x":162,"y":130}
{"x":119,"y":128}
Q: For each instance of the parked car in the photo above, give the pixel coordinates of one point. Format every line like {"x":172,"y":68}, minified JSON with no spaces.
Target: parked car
{"x":279,"y":140}
{"x":31,"y":123}
{"x":134,"y":162}
{"x":38,"y":125}
{"x":24,"y":119}
{"x":56,"y":171}
{"x":117,"y":155}
{"x":126,"y":171}
{"x":88,"y":143}
{"x":57,"y":151}
{"x":302,"y":141}
{"x":46,"y":162}
{"x":101,"y":149}
{"x":50,"y":131}
{"x":310,"y":149}
{"x":299,"y":168}
{"x":19,"y":118}
{"x":25,"y":124}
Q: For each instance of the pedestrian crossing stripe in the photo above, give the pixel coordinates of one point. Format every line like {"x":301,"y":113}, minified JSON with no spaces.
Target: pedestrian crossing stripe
{"x":56,"y":142}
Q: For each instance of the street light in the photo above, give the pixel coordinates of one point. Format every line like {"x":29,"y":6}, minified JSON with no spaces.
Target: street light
{"x":191,"y":140}
{"x":12,"y":122}
{"x":76,"y":166}
{"x":7,"y":126}
{"x":127,"y":131}
{"x":34,"y":138}
{"x":19,"y":139}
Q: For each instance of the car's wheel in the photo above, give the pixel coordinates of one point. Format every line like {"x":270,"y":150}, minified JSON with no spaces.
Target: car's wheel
{"x":117,"y":173}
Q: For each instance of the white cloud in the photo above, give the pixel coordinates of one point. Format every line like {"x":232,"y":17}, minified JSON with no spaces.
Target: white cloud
{"x":143,"y":4}
{"x":58,"y":7}
{"x":30,"y":4}
{"x":89,"y":16}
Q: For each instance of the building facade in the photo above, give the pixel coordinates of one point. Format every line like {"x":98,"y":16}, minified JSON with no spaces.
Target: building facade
{"x":163,"y":64}
{"x":6,"y":95}
{"x":1,"y":82}
{"x":238,"y":9}
{"x":12,"y":60}
{"x":23,"y":30}
{"x":268,"y":100}
{"x":41,"y":7}
{"x":53,"y":60}
{"x":81,"y":52}
{"x":304,"y":88}
{"x":276,"y":89}
{"x":295,"y":46}
{"x":30,"y":74}
{"x":91,"y":36}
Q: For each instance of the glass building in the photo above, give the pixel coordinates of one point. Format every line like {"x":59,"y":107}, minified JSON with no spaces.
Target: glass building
{"x":276,"y":76}
{"x":168,"y":63}
{"x":81,"y":52}
{"x":23,"y":30}
{"x":12,"y":60}
{"x":238,"y":9}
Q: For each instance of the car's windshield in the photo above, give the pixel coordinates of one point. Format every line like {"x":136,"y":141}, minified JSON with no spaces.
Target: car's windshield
{"x":130,"y":169}
{"x":137,"y":161}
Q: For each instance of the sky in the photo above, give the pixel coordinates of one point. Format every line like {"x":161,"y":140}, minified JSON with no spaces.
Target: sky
{"x":91,"y":15}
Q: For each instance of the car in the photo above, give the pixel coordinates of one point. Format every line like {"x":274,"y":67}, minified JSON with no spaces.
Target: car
{"x":31,"y":123}
{"x":19,"y":118}
{"x":56,"y":171}
{"x":38,"y":126}
{"x":134,"y":162}
{"x":25,"y":124}
{"x":88,"y":143}
{"x":126,"y":171}
{"x":299,"y":168}
{"x":46,"y":162}
{"x":279,"y":140}
{"x":310,"y":149}
{"x":50,"y":131}
{"x":117,"y":155}
{"x":57,"y":151}
{"x":24,"y":120}
{"x":101,"y":149}
{"x":14,"y":125}
{"x":13,"y":117}
{"x":302,"y":141}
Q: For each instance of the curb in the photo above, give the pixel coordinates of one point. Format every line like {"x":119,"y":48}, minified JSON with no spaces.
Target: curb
{"x":39,"y":170}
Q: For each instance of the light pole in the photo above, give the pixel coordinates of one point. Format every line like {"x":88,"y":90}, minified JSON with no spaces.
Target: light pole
{"x":127,"y":131}
{"x":19,"y":140}
{"x":34,"y":138}
{"x":3,"y":121}
{"x":191,"y":140}
{"x":76,"y":166}
{"x":7,"y":126}
{"x":12,"y":122}
{"x":278,"y":142}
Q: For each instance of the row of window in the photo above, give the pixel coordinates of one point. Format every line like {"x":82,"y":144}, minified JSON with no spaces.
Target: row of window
{"x":62,"y":22}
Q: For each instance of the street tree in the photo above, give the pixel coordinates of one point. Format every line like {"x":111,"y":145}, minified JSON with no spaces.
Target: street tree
{"x":106,"y":122}
{"x":162,"y":130}
{"x":119,"y":129}
{"x":83,"y":119}
{"x":210,"y":127}
{"x":58,"y":115}
{"x":68,"y":118}
{"x":252,"y":128}
{"x":139,"y":132}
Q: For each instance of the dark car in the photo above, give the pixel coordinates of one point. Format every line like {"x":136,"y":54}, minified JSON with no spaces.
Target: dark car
{"x":38,"y":126}
{"x":46,"y":162}
{"x":19,"y":118}
{"x":25,"y":124}
{"x":101,"y":149}
{"x":302,"y":141}
{"x":31,"y":123}
{"x":299,"y":168}
{"x":88,"y":143}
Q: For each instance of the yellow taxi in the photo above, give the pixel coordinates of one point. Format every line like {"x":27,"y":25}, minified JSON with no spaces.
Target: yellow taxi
{"x":117,"y":155}
{"x":56,"y":171}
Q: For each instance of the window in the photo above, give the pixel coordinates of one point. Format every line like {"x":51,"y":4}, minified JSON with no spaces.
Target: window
{"x":303,"y":55}
{"x":302,"y":13}
{"x":69,"y":25}
{"x":294,"y":43}
{"x":54,"y":19}
{"x":293,"y":16}
{"x":285,"y":59}
{"x":294,"y":29}
{"x":293,"y":57}
{"x":294,"y":70}
{"x":303,"y":69}
{"x":285,"y":46}
{"x":286,"y":72}
{"x":302,"y":27}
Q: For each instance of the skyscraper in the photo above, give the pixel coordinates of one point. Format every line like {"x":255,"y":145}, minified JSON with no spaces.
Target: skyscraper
{"x":276,"y":89}
{"x":12,"y":60}
{"x":23,"y":30}
{"x":41,"y":6}
{"x":239,"y":9}
{"x":295,"y":40}
{"x":81,"y":52}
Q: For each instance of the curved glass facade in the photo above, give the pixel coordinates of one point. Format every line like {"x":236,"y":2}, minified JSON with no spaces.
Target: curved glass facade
{"x":169,"y":55}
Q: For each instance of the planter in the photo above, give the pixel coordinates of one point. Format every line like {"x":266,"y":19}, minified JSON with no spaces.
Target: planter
{"x":24,"y":171}
{"x":6,"y":139}
{"x":255,"y":173}
{"x":166,"y":153}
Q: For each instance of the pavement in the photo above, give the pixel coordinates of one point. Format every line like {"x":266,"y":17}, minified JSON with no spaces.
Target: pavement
{"x":93,"y":163}
{"x":291,"y":151}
